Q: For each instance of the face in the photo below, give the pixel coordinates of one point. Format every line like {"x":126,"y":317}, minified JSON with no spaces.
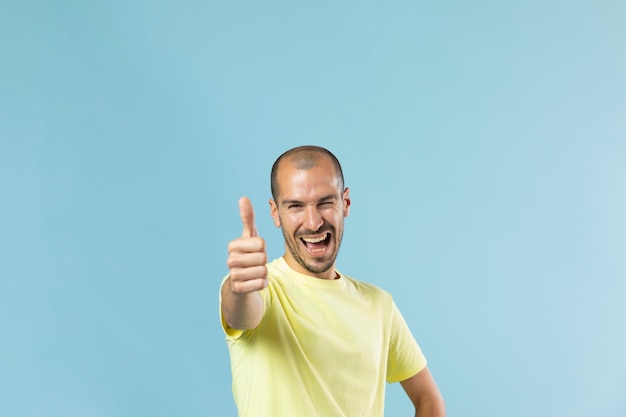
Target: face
{"x":310,"y":210}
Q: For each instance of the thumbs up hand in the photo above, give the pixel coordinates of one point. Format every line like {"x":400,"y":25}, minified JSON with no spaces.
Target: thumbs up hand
{"x":247,"y":255}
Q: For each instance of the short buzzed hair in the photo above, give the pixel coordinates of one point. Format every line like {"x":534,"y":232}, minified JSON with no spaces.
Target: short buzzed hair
{"x":303,"y":157}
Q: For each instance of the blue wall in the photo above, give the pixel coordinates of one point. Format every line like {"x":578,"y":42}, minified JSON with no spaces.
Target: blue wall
{"x":484,"y":144}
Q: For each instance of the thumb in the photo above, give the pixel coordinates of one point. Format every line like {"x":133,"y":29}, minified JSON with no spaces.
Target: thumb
{"x":247,"y":217}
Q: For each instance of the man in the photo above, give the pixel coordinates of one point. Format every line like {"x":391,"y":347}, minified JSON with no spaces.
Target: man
{"x":305,"y":339}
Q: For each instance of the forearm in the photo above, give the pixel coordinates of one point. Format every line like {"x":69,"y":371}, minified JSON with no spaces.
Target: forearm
{"x":241,"y":311}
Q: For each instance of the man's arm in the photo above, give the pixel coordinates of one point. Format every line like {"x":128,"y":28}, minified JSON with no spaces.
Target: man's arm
{"x":242,"y":305}
{"x":424,"y":394}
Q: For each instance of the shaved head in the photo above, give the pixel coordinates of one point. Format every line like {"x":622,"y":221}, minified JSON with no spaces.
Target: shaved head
{"x":303,"y":157}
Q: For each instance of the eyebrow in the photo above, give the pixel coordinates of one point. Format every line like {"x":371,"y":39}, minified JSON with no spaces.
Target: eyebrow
{"x":323,"y":199}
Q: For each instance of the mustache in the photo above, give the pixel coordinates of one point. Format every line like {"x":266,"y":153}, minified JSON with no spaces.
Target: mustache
{"x":323,"y":229}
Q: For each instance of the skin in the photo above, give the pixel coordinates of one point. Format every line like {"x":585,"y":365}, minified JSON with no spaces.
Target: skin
{"x":310,"y":205}
{"x":424,"y":393}
{"x":242,"y":305}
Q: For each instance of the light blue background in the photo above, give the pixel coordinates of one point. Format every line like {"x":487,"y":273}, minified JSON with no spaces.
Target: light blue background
{"x":484,"y":144}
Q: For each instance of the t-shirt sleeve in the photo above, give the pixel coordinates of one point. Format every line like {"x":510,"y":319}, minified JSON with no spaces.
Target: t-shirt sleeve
{"x":405,"y":356}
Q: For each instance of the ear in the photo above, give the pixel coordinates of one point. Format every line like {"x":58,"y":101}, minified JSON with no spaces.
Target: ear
{"x":346,"y":202}
{"x":274,"y":213}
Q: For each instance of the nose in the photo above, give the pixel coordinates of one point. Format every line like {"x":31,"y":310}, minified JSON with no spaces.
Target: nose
{"x":313,"y":219}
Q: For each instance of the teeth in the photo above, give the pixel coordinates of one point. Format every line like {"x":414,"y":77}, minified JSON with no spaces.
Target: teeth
{"x":315,"y":239}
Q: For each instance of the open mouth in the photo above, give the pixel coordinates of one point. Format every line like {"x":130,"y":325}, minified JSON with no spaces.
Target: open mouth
{"x":316,"y":244}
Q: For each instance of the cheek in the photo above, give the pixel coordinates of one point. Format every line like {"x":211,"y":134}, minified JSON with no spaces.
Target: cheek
{"x":289,"y":222}
{"x":338,"y":216}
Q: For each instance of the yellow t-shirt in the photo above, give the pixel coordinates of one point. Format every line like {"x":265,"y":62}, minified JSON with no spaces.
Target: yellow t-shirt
{"x":324,"y":348}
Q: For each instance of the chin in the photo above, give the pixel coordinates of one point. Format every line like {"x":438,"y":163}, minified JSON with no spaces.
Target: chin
{"x":319,"y":267}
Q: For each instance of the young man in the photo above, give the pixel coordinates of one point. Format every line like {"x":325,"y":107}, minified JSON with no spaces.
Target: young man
{"x":304,"y":339}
